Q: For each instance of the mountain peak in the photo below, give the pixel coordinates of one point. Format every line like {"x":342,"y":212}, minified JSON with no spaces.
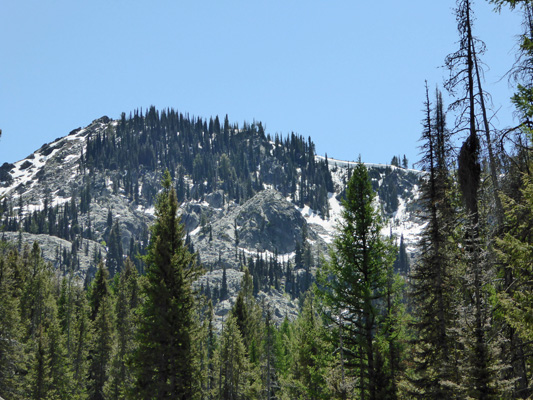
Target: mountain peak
{"x":247,"y":199}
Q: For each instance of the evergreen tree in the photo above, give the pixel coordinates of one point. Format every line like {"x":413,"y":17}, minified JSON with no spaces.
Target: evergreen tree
{"x":205,"y":348}
{"x":233,"y":378}
{"x":477,"y":334}
{"x":310,"y":353}
{"x":65,"y":305}
{"x":514,"y":238}
{"x":102,"y":337}
{"x":401,"y":264}
{"x":59,"y":369}
{"x":48,"y":374}
{"x":434,"y":281}
{"x":81,"y":343}
{"x":11,"y":329}
{"x":355,"y":281}
{"x":98,"y":290}
{"x":268,"y":366}
{"x":39,"y":375}
{"x":224,"y":286}
{"x":115,"y":253}
{"x":515,"y":249}
{"x":121,"y":380}
{"x":163,"y":360}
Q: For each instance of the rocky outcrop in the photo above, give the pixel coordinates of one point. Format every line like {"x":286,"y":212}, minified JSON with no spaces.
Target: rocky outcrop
{"x":268,"y":222}
{"x":265,"y":223}
{"x":52,"y":249}
{"x":221,"y":231}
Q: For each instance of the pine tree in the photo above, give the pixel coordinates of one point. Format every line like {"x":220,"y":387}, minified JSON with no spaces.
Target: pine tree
{"x":204,"y":347}
{"x":434,"y":277}
{"x":310,"y":354}
{"x":102,"y":337}
{"x":60,"y":372}
{"x":271,"y":384}
{"x":401,"y":264}
{"x":99,"y":290}
{"x":233,"y":368}
{"x":405,"y":162}
{"x":163,"y":359}
{"x":224,"y":286}
{"x":515,"y":250}
{"x":479,"y":366}
{"x":39,"y":375}
{"x":513,"y":240}
{"x":355,"y":281}
{"x":115,"y":253}
{"x":49,"y":373}
{"x":121,"y":379}
{"x":81,"y":342}
{"x":65,"y":305}
{"x":11,"y":330}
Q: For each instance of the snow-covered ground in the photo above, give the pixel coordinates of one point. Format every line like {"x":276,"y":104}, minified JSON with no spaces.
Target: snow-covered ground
{"x":25,"y":172}
{"x":402,"y":222}
{"x":351,"y":164}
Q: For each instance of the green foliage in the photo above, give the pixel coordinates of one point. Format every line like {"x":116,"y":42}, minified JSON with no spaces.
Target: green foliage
{"x":516,"y":251}
{"x":233,"y":377}
{"x":310,"y":355}
{"x":470,"y":322}
{"x":523,"y":101}
{"x":114,"y":253}
{"x":163,"y":360}
{"x":81,"y":343}
{"x":355,"y":284}
{"x":510,"y":3}
{"x":11,"y":327}
{"x":435,"y":276}
{"x":121,"y":379}
{"x":103,"y":335}
{"x":48,"y":372}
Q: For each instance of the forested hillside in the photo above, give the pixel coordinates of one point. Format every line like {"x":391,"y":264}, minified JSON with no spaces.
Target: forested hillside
{"x":246,"y":199}
{"x":194,"y":259}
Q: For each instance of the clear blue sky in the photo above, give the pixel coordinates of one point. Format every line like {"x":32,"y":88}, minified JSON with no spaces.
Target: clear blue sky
{"x":350,"y":74}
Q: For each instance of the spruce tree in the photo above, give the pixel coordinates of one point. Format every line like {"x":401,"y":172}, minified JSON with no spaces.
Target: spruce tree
{"x":434,"y":286}
{"x":514,"y":241}
{"x":103,"y":336}
{"x":81,"y":343}
{"x":310,"y":353}
{"x":515,"y":250}
{"x":233,"y":366}
{"x":115,"y":253}
{"x":120,"y":380}
{"x":354,"y":282}
{"x":48,"y":374}
{"x":11,"y":330}
{"x":268,"y":360}
{"x":480,"y":340}
{"x":163,"y":360}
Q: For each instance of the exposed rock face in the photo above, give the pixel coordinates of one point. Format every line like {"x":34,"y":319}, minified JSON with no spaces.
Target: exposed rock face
{"x":52,"y":248}
{"x":265,"y":223}
{"x":268,"y":224}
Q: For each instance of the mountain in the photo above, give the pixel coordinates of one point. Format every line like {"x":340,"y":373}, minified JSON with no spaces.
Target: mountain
{"x":248,"y":199}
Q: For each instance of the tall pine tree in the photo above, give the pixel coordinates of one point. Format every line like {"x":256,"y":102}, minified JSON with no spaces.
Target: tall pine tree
{"x":355,"y":284}
{"x":163,"y":361}
{"x":434,"y":285}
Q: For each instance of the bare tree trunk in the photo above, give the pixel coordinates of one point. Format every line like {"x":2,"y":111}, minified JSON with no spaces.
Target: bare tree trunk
{"x":492,"y":158}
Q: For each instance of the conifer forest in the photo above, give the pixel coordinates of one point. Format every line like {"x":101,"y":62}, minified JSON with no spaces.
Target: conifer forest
{"x":452,"y":321}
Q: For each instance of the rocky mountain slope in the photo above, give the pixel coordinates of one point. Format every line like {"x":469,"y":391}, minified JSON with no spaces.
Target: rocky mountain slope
{"x":247,"y":200}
